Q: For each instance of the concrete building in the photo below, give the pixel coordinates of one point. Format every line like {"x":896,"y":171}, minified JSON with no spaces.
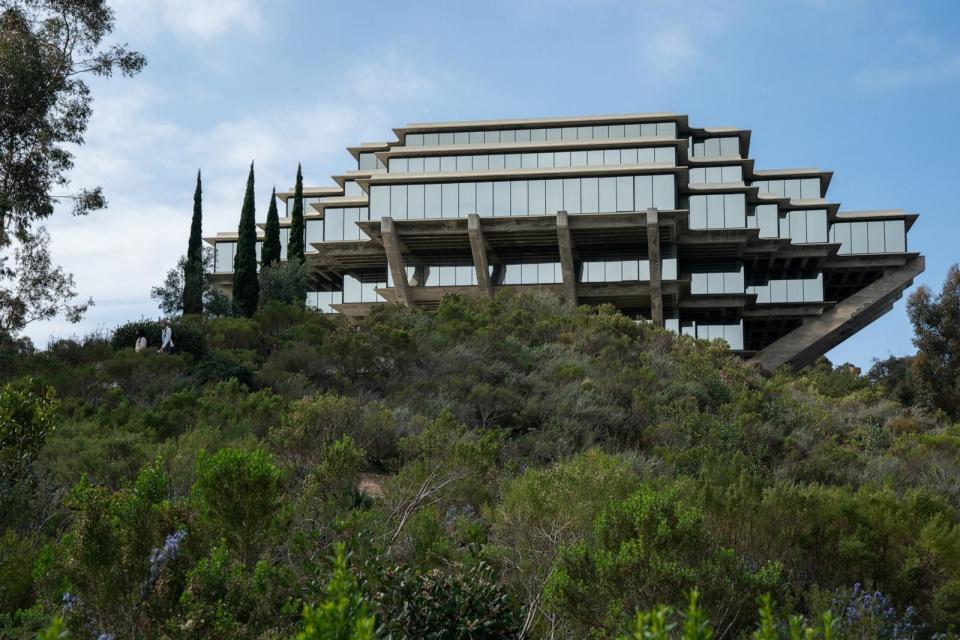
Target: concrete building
{"x":666,"y":221}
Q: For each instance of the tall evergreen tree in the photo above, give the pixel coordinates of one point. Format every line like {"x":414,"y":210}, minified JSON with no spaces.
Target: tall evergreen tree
{"x":295,"y":243}
{"x":271,"y":240}
{"x":193,"y":270}
{"x":246,"y":285}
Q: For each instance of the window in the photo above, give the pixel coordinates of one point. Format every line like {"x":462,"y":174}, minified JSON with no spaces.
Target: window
{"x":223,"y":257}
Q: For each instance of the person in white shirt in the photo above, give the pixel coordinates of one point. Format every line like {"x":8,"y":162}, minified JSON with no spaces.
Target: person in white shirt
{"x":166,"y":337}
{"x":141,"y":342}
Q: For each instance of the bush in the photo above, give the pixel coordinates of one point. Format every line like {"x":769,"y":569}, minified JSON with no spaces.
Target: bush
{"x":219,"y":368}
{"x":284,"y":282}
{"x":188,"y":336}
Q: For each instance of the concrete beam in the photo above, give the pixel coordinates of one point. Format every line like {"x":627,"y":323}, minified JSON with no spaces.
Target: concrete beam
{"x":478,"y":247}
{"x":656,"y":278}
{"x":398,"y":271}
{"x":567,"y":265}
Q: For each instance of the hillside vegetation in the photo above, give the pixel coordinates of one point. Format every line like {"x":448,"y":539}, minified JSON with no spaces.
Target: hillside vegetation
{"x":488,"y":470}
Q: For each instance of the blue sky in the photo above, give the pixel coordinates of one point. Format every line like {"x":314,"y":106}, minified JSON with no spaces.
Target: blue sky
{"x":868,"y":90}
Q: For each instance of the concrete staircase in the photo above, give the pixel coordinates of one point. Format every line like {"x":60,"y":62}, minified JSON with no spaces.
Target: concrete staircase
{"x":816,"y":335}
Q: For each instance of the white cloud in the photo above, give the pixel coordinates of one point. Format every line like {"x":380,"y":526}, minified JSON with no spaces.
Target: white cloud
{"x":671,"y":44}
{"x":926,"y":73}
{"x":196,"y":21}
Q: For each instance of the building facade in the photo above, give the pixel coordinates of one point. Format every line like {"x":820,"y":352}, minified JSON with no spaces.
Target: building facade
{"x":666,"y":221}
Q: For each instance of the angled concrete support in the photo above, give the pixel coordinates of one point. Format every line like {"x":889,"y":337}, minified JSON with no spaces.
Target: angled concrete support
{"x":478,"y":247}
{"x":656,"y":277}
{"x":391,"y":244}
{"x":818,"y":335}
{"x":567,"y":265}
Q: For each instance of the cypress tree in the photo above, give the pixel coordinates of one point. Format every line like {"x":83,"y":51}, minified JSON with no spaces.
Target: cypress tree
{"x":193,"y":270}
{"x":271,"y":240}
{"x":246,"y":285}
{"x":295,"y":243}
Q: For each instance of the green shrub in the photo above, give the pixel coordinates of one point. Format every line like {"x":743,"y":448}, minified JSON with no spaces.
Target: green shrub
{"x":188,"y":336}
{"x":219,"y":368}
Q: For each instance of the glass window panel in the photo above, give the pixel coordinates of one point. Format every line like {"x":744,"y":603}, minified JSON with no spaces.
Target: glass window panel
{"x":399,"y":165}
{"x":450,"y":200}
{"x":714,"y":283}
{"x":485,"y":198}
{"x":511,"y":274}
{"x":810,"y":188}
{"x":732,"y":174}
{"x":601,"y":132}
{"x":589,"y":195}
{"x":481,"y":163}
{"x":611,"y":157}
{"x":398,"y":201}
{"x":643,"y":193}
{"x":511,"y":161}
{"x":461,"y":137}
{"x":667,"y":129}
{"x":648,"y":129}
{"x":528,"y":161}
{"x":528,"y":274}
{"x":733,"y":282}
{"x":628,"y":156}
{"x":616,"y":131}
{"x":415,"y":202}
{"x":631,"y":131}
{"x":314,"y":231}
{"x":476,"y":137}
{"x":584,"y":133}
{"x":448,"y":275}
{"x":380,"y":201}
{"x":333,"y":225}
{"x":501,"y":198}
{"x":817,"y":225}
{"x":595,"y":158}
{"x":553,"y":135}
{"x":571,"y":195}
{"x":562,"y":158}
{"x":664,"y":194}
{"x":537,"y":194}
{"x":491,"y":136}
{"x":664,"y":154}
{"x":813,"y":289}
{"x":508,"y":135}
{"x":430,"y":139}
{"x":465,"y":275}
{"x":715,"y":211}
{"x":735,"y":210}
{"x":875,"y":236}
{"x":791,"y":188}
{"x":468,"y":198}
{"x":644,"y":268}
{"x":730,"y":147}
{"x":413,"y":140}
{"x":538,"y":135}
{"x":545,"y":272}
{"x":858,"y":237}
{"x":518,"y":198}
{"x":448,"y":163}
{"x":895,"y":236}
{"x":496,"y":161}
{"x":223,"y":260}
{"x":840,"y":234}
{"x":697,"y":175}
{"x":578,"y":158}
{"x":794,"y":290}
{"x":608,"y":195}
{"x":778,"y":291}
{"x":698,"y":212}
{"x":415,"y":165}
{"x":646,"y":156}
{"x":624,"y":193}
{"x":545,"y":159}
{"x":523,"y":135}
{"x":464,"y":163}
{"x":631,"y":270}
{"x":733,"y":334}
{"x":446,"y":138}
{"x":284,"y":238}
{"x":554,"y":196}
{"x":431,"y":207}
{"x":713,"y":175}
{"x":698,"y":150}
{"x":711,"y":147}
{"x":431,"y":165}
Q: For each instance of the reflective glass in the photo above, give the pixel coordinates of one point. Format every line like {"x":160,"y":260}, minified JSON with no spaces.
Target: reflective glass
{"x":476,"y":137}
{"x":501,"y":198}
{"x":561,"y":158}
{"x":512,"y":161}
{"x":578,"y":158}
{"x":729,"y":147}
{"x":314,"y":232}
{"x":528,"y":161}
{"x":431,"y":165}
{"x":537,"y":194}
{"x":628,"y":156}
{"x":414,"y":140}
{"x":481,"y":163}
{"x":485,"y":198}
{"x":523,"y":135}
{"x":553,"y":135}
{"x":810,"y":188}
{"x":648,"y":130}
{"x":461,"y":137}
{"x":601,"y":132}
{"x":508,"y":135}
{"x":449,"y":202}
{"x":448,"y":163}
{"x":398,"y":201}
{"x":616,"y":131}
{"x":554,"y":190}
{"x":791,"y":188}
{"x":415,"y":202}
{"x":545,"y":160}
{"x":431,"y":199}
{"x":643,"y":193}
{"x":646,"y":156}
{"x":464,"y":163}
{"x":415,"y":165}
{"x":491,"y":136}
{"x":445,"y":139}
{"x":518,"y":198}
{"x":875,"y":236}
{"x":631,"y":131}
{"x":698,"y":212}
{"x":595,"y":158}
{"x":223,"y":258}
{"x":568,"y":133}
{"x":858,"y":237}
{"x":608,"y":195}
{"x":571,"y":195}
{"x":624,"y":193}
{"x":589,"y":192}
{"x":379,"y":201}
{"x":538,"y":135}
{"x":333,"y":225}
{"x":496,"y":162}
{"x":817,"y":225}
{"x":895,"y":237}
{"x":468,"y":199}
{"x":430,"y":139}
{"x":664,"y":193}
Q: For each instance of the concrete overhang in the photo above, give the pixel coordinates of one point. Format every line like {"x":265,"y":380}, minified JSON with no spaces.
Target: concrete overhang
{"x":507,"y":174}
{"x":724,"y":132}
{"x":879,"y":214}
{"x":367,"y":147}
{"x":311,"y":192}
{"x":786,"y":174}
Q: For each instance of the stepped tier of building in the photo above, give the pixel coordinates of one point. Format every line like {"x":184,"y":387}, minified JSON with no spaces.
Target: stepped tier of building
{"x":668,"y":222}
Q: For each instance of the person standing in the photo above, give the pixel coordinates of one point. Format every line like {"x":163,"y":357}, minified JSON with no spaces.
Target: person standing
{"x":166,"y":337}
{"x":141,"y":342}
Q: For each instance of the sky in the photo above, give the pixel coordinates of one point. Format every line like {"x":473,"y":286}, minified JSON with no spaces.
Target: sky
{"x":867,"y":89}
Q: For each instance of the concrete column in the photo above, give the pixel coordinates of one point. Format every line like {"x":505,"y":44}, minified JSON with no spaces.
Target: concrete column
{"x":391,"y":245}
{"x":478,"y":247}
{"x":656,"y":277}
{"x":567,"y":265}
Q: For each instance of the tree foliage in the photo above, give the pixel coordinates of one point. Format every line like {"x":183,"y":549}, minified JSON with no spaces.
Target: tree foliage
{"x":295,"y":248}
{"x":193,"y":270}
{"x":270,"y":253}
{"x":936,"y":322}
{"x":246,"y":283}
